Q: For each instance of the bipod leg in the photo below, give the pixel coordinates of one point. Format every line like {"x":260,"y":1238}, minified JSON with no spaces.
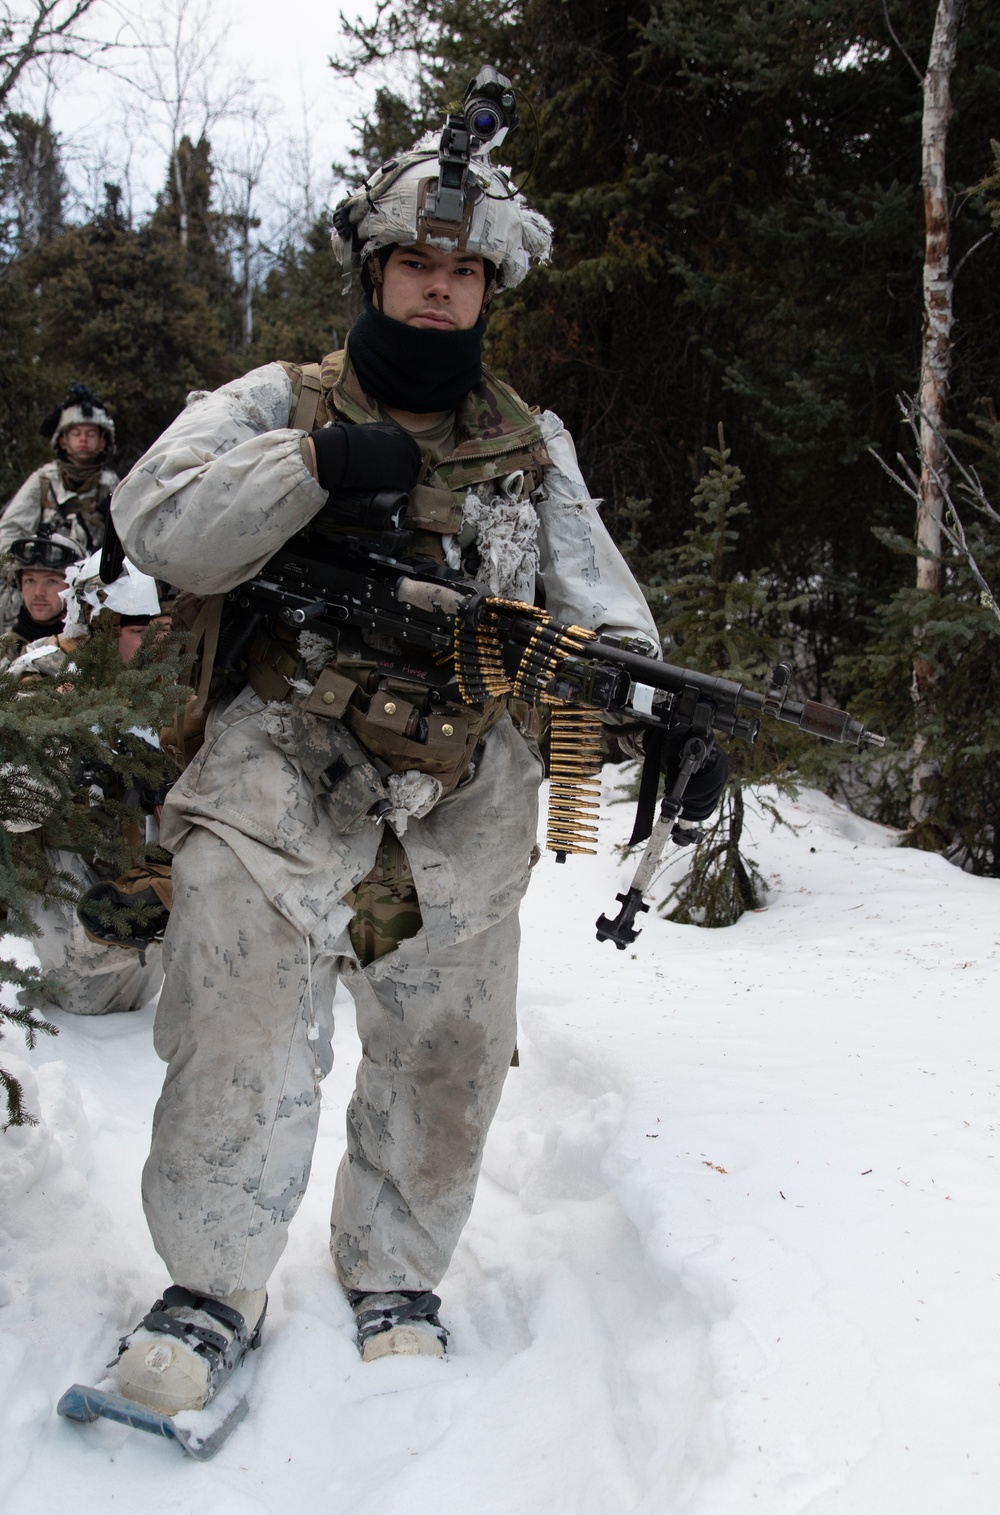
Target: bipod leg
{"x":622,"y":930}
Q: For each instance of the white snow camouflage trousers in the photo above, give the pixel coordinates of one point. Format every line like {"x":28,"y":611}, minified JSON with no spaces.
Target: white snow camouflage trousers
{"x":245,"y":1026}
{"x":94,"y":979}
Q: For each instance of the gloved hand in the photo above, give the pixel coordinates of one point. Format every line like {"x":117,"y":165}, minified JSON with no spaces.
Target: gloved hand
{"x":376,"y":456}
{"x":705,"y":786}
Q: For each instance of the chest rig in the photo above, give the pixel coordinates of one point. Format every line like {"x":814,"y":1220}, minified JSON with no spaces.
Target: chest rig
{"x":88,"y":507}
{"x":401,"y":722}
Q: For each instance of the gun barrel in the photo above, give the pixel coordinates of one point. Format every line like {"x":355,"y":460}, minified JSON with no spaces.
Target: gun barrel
{"x":818,"y":720}
{"x":825,"y":721}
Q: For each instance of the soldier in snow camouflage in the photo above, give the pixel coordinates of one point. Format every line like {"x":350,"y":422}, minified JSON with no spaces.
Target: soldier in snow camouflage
{"x":282,"y":882}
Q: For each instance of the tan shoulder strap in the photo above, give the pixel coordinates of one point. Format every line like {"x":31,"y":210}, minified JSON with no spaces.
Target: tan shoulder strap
{"x":303,"y":417}
{"x":204,"y":633}
{"x":46,"y":498}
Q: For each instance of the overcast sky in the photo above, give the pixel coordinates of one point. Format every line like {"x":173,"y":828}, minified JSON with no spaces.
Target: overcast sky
{"x":282,"y":47}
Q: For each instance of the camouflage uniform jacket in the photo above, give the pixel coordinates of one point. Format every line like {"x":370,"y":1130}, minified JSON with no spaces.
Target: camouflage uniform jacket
{"x":207,"y":506}
{"x":43,"y":500}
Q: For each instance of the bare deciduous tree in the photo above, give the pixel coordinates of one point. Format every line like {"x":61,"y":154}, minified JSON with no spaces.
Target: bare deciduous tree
{"x":242,"y":168}
{"x":38,"y":29}
{"x":936,"y":352}
{"x":185,"y":90}
{"x":969,"y":486}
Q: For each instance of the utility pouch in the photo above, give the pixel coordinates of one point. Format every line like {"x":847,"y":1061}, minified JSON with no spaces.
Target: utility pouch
{"x":432,"y":509}
{"x":441,"y":745}
{"x":347,"y":784}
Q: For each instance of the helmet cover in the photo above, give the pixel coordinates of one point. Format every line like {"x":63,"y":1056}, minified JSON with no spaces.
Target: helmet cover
{"x":81,"y":407}
{"x":133,"y":593}
{"x":390,"y":209}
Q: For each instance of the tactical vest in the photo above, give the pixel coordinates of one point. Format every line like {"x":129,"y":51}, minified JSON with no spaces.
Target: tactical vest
{"x":496,"y":435}
{"x":90,"y":510}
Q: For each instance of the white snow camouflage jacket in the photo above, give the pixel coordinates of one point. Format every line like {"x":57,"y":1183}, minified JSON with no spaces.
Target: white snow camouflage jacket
{"x":206,"y":507}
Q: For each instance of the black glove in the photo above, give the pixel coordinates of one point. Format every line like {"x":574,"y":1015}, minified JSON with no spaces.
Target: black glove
{"x":705,"y":786}
{"x":375,"y":456}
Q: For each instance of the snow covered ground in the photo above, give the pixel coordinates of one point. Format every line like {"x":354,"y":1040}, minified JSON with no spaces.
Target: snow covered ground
{"x":736,"y":1246}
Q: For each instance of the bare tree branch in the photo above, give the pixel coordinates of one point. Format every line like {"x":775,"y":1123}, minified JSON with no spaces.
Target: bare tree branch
{"x":184,"y":91}
{"x":968,"y":254}
{"x":969,"y":484}
{"x":41,"y":29}
{"x":902,"y":49}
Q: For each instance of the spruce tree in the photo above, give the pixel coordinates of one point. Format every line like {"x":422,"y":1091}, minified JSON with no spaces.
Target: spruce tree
{"x":32,"y":182}
{"x":57,"y":734}
{"x":959,"y":719}
{"x":717,"y":620}
{"x":301,"y":312}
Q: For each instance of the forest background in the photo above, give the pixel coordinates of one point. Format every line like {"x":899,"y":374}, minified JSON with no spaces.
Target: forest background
{"x":736,"y":192}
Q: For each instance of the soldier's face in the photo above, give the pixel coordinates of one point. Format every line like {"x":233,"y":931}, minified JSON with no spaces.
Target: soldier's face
{"x":81,"y":443}
{"x":434,"y":290}
{"x":130,"y":637}
{"x":40,"y":593}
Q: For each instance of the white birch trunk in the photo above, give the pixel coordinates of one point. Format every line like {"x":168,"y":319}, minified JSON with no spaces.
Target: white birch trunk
{"x":935,"y":365}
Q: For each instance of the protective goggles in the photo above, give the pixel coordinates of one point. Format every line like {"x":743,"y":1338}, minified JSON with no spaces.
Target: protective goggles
{"x":42,"y":552}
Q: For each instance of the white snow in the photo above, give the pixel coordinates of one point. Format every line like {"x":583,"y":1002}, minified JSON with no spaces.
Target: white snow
{"x":736,"y":1246}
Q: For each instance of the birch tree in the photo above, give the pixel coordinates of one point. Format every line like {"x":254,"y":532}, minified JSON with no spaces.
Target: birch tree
{"x":936,"y":353}
{"x":242,"y":170}
{"x":184,"y":90}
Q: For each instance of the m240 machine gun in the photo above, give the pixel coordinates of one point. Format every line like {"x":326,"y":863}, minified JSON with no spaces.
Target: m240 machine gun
{"x":349,"y":578}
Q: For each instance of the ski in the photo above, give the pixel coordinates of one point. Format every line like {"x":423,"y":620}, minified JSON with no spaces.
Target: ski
{"x":199,"y":1433}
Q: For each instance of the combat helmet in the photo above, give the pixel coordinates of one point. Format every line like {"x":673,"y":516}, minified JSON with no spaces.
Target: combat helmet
{"x":80,"y":407}
{"x":449,"y":194}
{"x":48,"y":550}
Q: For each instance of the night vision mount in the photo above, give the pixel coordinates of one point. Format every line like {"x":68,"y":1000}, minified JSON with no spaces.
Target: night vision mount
{"x":488,"y":113}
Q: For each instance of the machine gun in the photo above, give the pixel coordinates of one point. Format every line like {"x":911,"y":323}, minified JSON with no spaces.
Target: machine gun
{"x":350,"y":578}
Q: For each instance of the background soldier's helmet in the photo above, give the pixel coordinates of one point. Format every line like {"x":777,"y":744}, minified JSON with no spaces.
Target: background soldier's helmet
{"x":395,"y":206}
{"x":48,"y":551}
{"x":132,"y":594}
{"x":81,"y":407}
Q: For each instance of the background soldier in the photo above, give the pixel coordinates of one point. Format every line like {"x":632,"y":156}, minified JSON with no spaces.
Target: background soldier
{"x":37,"y":573}
{"x":92,"y":977}
{"x":69,"y":496}
{"x":277,"y":884}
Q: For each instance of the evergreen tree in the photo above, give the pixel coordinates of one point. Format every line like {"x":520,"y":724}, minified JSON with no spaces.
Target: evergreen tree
{"x":715,"y":619}
{"x":301,"y":313}
{"x":958,"y":718}
{"x":32,"y":183}
{"x":123,"y":307}
{"x":186,"y":222}
{"x":55,"y":735}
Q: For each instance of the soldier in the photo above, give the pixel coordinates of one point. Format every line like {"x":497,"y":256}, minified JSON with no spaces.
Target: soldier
{"x":38,"y":578}
{"x":69,"y":496}
{"x":274,"y":893}
{"x":92,"y":977}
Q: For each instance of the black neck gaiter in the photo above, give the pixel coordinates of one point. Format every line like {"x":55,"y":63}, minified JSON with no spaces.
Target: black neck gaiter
{"x":412,"y":368}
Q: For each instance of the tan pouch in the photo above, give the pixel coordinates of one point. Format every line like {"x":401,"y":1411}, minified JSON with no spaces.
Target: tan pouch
{"x":331,"y":695}
{"x":445,"y":755}
{"x":432,"y":509}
